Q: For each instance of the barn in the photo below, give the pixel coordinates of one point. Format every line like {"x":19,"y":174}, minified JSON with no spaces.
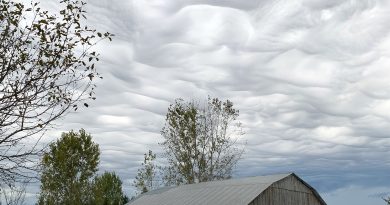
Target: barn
{"x":281,"y":189}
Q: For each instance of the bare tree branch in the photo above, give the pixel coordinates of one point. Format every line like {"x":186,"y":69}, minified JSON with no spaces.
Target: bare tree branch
{"x":47,"y":68}
{"x":14,"y":194}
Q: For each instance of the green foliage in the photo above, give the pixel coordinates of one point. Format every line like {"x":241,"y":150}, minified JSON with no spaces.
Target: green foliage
{"x":107,"y":190}
{"x":47,"y":67}
{"x":200,"y":144}
{"x":146,"y":179}
{"x":69,"y":174}
{"x":68,"y":169}
{"x":180,"y":133}
{"x":200,"y":141}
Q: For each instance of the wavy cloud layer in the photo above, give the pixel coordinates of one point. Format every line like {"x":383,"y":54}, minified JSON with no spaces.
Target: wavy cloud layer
{"x":310,"y":78}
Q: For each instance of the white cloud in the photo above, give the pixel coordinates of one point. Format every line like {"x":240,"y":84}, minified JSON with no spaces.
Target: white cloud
{"x":116,"y":121}
{"x":310,"y":78}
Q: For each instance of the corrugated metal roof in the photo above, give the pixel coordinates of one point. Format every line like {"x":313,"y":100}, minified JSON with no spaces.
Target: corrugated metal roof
{"x":228,"y":192}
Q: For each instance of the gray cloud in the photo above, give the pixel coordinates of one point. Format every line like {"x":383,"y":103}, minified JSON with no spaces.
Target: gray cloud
{"x":310,"y":79}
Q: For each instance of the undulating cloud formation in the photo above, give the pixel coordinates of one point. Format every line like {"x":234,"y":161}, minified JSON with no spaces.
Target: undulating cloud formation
{"x":311,"y":79}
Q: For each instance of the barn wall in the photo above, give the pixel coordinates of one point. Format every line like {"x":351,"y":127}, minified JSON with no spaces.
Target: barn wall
{"x":288,"y":191}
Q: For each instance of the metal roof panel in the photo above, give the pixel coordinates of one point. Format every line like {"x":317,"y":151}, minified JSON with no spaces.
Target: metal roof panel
{"x":228,"y":192}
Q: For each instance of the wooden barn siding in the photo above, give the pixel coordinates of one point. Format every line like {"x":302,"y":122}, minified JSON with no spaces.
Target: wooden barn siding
{"x":288,"y":191}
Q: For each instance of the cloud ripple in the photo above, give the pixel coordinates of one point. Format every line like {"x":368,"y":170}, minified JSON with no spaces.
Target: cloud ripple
{"x":310,"y":79}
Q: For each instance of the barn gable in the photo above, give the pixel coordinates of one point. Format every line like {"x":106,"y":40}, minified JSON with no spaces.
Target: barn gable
{"x":243,"y":191}
{"x":290,"y":190}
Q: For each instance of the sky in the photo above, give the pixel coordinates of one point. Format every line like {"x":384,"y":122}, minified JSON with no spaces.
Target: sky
{"x":310,"y":78}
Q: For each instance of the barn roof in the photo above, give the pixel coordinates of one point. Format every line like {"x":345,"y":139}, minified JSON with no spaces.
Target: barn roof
{"x":228,"y":192}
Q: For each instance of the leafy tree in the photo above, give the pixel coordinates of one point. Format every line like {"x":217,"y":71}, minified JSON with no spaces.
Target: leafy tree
{"x":107,"y":190}
{"x":147,"y":176}
{"x":68,"y":169}
{"x":47,"y":68}
{"x":200,"y":142}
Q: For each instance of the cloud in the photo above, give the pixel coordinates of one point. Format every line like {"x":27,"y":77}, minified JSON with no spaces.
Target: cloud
{"x":310,"y":78}
{"x":357,"y":195}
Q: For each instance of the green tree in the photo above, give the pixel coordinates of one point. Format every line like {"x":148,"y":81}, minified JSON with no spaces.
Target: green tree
{"x":107,"y":190}
{"x":47,"y":68}
{"x":147,"y":176}
{"x":68,"y":169}
{"x":200,"y":142}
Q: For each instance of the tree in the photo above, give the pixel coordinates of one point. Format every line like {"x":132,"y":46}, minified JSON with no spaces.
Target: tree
{"x":147,"y":176}
{"x":200,"y":142}
{"x":107,"y":190}
{"x":68,"y":169}
{"x":47,"y":68}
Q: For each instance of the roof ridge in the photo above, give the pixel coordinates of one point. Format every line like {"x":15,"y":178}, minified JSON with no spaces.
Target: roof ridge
{"x":223,"y":182}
